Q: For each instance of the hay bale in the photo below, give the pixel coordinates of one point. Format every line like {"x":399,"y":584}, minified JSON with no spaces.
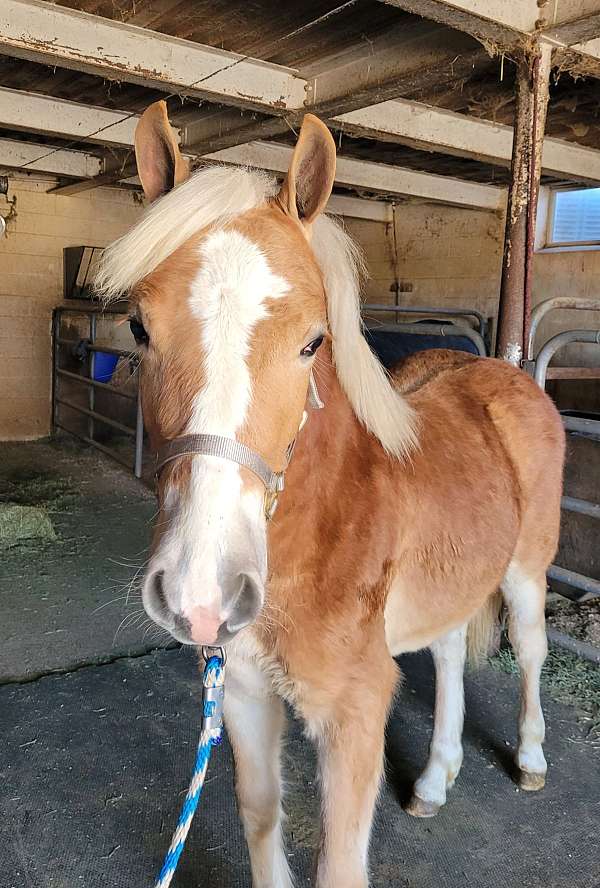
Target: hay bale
{"x":20,"y":524}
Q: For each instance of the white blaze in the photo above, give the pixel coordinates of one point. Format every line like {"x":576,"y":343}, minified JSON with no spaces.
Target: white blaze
{"x":212,"y":520}
{"x":228,"y":299}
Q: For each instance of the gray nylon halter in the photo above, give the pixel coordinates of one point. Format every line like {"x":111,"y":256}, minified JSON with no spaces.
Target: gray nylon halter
{"x":235,"y":451}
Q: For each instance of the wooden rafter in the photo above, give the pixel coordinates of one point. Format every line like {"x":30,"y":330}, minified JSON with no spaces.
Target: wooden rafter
{"x":44,"y":32}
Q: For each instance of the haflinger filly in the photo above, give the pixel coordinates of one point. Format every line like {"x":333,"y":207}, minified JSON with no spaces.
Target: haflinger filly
{"x":410,"y":501}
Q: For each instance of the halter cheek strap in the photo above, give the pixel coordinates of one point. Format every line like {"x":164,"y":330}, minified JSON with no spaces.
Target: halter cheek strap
{"x":235,"y":451}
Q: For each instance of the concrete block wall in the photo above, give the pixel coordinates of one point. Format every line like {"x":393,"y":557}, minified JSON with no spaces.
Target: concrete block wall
{"x":568,"y":273}
{"x":376,"y":240}
{"x":448,"y":256}
{"x":31,"y":285}
{"x":453,"y":256}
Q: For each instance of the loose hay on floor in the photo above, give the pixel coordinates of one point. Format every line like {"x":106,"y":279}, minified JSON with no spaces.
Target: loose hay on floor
{"x":19,"y":524}
{"x":579,"y":619}
{"x":31,"y":488}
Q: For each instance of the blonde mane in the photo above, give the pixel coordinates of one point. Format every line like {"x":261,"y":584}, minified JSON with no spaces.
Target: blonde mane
{"x":215,"y":196}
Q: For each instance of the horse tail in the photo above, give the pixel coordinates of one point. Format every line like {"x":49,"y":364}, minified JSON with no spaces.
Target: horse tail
{"x":483,"y":630}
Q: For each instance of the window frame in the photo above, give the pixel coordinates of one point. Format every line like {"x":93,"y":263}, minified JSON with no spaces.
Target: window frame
{"x":550,"y":244}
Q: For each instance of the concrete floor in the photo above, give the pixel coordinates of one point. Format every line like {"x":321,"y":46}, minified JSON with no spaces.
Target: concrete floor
{"x":57,"y":599}
{"x":97,"y":739}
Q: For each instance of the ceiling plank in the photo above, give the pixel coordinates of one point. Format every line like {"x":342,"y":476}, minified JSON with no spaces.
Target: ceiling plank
{"x":55,"y":35}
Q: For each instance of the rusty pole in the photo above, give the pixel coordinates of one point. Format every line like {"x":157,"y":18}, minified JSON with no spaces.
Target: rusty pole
{"x":542,"y":65}
{"x":533,"y":71}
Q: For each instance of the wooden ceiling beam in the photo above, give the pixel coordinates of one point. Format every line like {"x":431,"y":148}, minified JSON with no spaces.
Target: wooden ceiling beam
{"x":407,"y":60}
{"x":576,"y":31}
{"x":33,"y":112}
{"x":394,"y":66}
{"x":506,"y":23}
{"x":405,"y":122}
{"x":376,"y":178}
{"x":511,"y":25}
{"x":447,"y":132}
{"x":54,"y":35}
{"x":42,"y":158}
{"x":78,"y":164}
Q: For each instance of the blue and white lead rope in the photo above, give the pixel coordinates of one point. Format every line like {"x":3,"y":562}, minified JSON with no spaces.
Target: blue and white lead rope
{"x":212,"y":726}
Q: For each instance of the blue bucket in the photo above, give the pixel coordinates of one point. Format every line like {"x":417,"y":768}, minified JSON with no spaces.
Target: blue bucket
{"x":104,"y":366}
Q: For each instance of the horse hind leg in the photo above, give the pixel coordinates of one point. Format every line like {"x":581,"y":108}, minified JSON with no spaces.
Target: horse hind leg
{"x":445,"y":753}
{"x":524,"y":595}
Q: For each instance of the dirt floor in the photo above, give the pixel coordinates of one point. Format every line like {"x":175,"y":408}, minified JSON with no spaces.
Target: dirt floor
{"x":581,"y":620}
{"x":99,"y":726}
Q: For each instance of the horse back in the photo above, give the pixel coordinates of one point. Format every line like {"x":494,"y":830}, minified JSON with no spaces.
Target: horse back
{"x":483,"y":488}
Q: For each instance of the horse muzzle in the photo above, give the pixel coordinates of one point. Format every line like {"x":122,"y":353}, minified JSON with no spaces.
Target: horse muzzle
{"x":235,"y":605}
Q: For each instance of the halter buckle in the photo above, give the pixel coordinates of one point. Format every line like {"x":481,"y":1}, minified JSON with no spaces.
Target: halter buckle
{"x":272,"y":496}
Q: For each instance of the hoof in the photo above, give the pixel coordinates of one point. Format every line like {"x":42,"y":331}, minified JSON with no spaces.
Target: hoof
{"x":531,"y":781}
{"x":420,"y":808}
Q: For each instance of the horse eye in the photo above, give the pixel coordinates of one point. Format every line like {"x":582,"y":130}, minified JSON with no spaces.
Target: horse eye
{"x":139,"y":331}
{"x":311,"y":348}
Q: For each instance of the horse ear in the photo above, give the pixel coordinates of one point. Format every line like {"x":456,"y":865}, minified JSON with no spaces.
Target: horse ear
{"x":307,"y":186}
{"x":159,"y":161}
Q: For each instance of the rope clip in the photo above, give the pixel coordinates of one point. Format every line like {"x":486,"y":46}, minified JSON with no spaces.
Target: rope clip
{"x":212,"y":709}
{"x":213,"y":694}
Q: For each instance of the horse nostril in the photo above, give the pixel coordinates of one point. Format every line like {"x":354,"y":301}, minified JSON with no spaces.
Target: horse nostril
{"x":247,"y":604}
{"x":156,"y":595}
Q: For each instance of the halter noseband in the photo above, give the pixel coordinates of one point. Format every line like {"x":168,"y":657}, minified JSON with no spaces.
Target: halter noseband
{"x":235,"y":451}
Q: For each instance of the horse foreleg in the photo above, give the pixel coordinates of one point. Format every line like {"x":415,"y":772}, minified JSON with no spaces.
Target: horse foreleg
{"x":350,"y":766}
{"x":255,"y":721}
{"x":445,"y":754}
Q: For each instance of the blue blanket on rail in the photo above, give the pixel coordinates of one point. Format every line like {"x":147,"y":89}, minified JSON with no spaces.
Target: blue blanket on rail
{"x":391,"y":346}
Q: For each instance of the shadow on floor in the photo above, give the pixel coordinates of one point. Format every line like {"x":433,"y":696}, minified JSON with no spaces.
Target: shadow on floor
{"x":95,"y":764}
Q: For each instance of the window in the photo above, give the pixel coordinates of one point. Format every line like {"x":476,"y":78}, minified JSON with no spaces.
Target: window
{"x":574,"y":217}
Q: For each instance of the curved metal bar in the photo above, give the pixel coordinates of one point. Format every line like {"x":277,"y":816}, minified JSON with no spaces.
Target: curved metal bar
{"x":557,"y":342}
{"x":435,"y":330}
{"x":428,"y":309}
{"x":556,"y":303}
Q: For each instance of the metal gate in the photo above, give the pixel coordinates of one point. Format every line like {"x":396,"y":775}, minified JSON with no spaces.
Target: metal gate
{"x":89,"y":350}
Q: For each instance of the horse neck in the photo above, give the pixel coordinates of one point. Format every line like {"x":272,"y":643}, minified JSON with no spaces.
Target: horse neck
{"x":330,"y":431}
{"x":326,"y":446}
